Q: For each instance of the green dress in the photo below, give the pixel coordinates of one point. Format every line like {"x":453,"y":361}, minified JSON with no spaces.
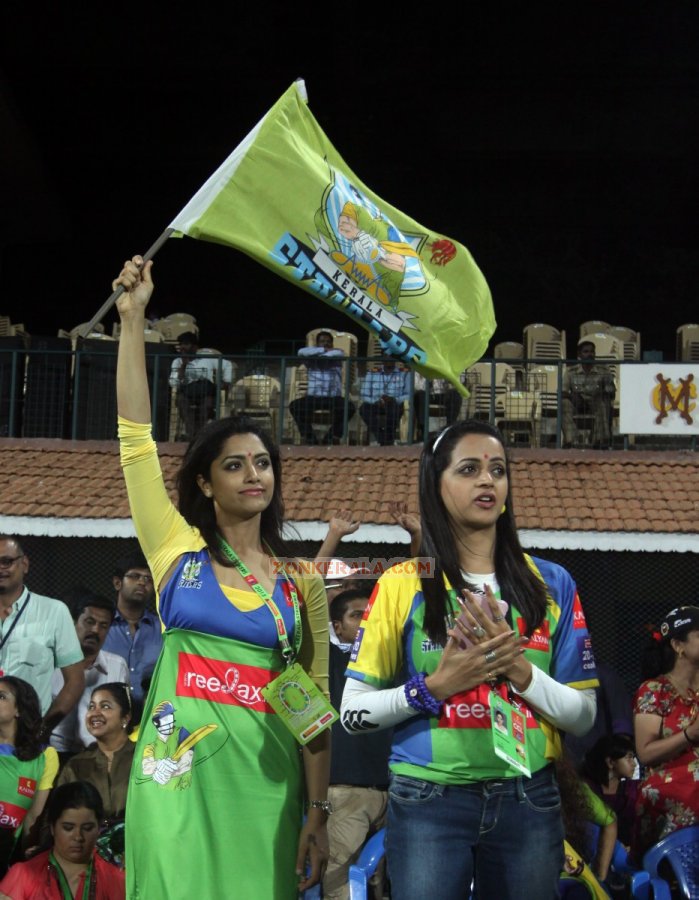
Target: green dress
{"x":214,"y":807}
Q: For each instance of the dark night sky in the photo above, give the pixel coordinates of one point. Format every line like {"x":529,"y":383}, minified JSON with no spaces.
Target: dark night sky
{"x":557,"y":142}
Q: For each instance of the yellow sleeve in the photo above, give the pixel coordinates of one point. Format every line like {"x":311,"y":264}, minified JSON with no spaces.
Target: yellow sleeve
{"x":316,"y":639}
{"x":50,"y":770}
{"x":377,"y":653}
{"x":162,"y":532}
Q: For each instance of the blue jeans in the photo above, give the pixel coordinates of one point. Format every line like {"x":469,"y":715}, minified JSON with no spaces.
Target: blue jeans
{"x":506,"y":834}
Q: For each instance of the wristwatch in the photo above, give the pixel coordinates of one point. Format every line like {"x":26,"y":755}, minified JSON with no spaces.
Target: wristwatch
{"x":325,"y":805}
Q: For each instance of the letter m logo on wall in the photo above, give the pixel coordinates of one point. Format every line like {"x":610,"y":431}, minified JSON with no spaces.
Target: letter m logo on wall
{"x":679,"y":398}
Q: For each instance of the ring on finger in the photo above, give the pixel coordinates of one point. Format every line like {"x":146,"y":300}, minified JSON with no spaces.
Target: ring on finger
{"x":490,"y":676}
{"x":498,"y":618}
{"x":490,"y":656}
{"x":479,"y":631}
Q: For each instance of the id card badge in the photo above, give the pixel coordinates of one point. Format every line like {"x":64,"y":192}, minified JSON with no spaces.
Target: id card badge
{"x":509,"y":730}
{"x":299,"y":703}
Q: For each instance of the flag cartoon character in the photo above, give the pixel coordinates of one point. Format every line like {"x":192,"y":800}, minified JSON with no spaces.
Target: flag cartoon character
{"x":168,"y":759}
{"x":369,"y":247}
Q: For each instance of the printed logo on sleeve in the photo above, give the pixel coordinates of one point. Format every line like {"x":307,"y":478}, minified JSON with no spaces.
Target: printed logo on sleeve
{"x":578,"y":614}
{"x":357,"y":643}
{"x":587,"y":657}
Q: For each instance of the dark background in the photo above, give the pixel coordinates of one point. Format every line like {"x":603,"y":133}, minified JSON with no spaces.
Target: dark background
{"x":557,"y":142}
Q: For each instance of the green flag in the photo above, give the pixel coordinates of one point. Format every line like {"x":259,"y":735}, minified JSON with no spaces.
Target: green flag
{"x":286,"y":197}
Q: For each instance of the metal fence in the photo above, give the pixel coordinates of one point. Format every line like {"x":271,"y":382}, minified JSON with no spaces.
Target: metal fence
{"x":53,"y":390}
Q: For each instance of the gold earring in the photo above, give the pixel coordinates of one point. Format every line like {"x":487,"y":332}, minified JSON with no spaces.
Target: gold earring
{"x":504,"y":508}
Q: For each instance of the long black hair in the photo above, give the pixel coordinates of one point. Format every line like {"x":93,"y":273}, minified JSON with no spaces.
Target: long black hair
{"x":27,"y":742}
{"x":199,"y":510}
{"x":517,"y":581}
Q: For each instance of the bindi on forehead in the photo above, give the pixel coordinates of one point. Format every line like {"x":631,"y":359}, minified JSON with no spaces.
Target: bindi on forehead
{"x":486,"y":456}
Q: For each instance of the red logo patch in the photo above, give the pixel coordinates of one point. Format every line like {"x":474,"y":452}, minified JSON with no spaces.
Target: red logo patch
{"x":469,"y":709}
{"x":11,"y":816}
{"x":220,"y":681}
{"x":540,"y":639}
{"x":26,"y":787}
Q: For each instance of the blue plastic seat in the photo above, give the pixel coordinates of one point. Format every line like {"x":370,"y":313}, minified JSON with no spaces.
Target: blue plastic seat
{"x":364,"y":868}
{"x":681,"y":851}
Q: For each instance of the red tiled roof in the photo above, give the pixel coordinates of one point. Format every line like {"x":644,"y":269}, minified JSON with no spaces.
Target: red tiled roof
{"x":633,"y":491}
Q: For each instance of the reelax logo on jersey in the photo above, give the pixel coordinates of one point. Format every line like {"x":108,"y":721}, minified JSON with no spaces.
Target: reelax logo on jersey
{"x":471,"y":709}
{"x":11,"y":816}
{"x":221,"y":681}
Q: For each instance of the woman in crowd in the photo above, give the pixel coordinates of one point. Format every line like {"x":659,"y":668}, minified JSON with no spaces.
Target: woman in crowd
{"x":107,"y":763}
{"x":27,"y":772}
{"x":211,"y":751}
{"x":667,"y":730}
{"x":457,"y":809}
{"x":608,"y":770}
{"x":71,"y":868}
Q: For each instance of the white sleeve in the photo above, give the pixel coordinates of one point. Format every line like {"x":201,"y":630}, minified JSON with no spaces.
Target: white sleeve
{"x":565,"y":707}
{"x":365,"y":708}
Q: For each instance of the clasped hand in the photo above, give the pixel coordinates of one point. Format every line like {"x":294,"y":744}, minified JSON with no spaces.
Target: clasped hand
{"x":493,"y":649}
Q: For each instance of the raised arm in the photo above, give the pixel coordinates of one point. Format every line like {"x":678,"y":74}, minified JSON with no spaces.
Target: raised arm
{"x":133,"y":398}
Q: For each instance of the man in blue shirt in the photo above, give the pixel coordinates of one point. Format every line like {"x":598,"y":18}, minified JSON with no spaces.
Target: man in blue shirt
{"x":324,"y":364}
{"x":135,"y":634}
{"x":384,"y":391}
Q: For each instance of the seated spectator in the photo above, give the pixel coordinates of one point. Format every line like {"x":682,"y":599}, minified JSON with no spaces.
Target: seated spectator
{"x":588,"y":391}
{"x":437,"y":392}
{"x":384,"y":391}
{"x":324,"y":364}
{"x":72,"y":867}
{"x":197,"y":378}
{"x":614,"y":714}
{"x":585,"y":862}
{"x":92,"y":615}
{"x":359,"y":766}
{"x":608,"y":770}
{"x":667,"y":730}
{"x":107,"y":763}
{"x":27,"y":771}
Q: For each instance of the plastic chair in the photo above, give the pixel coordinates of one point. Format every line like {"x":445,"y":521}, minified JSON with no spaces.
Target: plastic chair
{"x":680,"y":850}
{"x":364,"y":868}
{"x":688,"y":343}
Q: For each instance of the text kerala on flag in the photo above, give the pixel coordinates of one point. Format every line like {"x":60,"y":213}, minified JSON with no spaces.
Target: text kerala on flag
{"x":286,"y":198}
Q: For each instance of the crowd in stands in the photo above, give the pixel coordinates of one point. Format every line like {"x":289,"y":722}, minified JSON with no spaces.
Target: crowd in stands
{"x":631,"y":779}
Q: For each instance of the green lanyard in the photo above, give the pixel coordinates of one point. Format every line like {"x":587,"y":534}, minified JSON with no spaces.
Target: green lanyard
{"x":288,"y":652}
{"x":88,"y":881}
